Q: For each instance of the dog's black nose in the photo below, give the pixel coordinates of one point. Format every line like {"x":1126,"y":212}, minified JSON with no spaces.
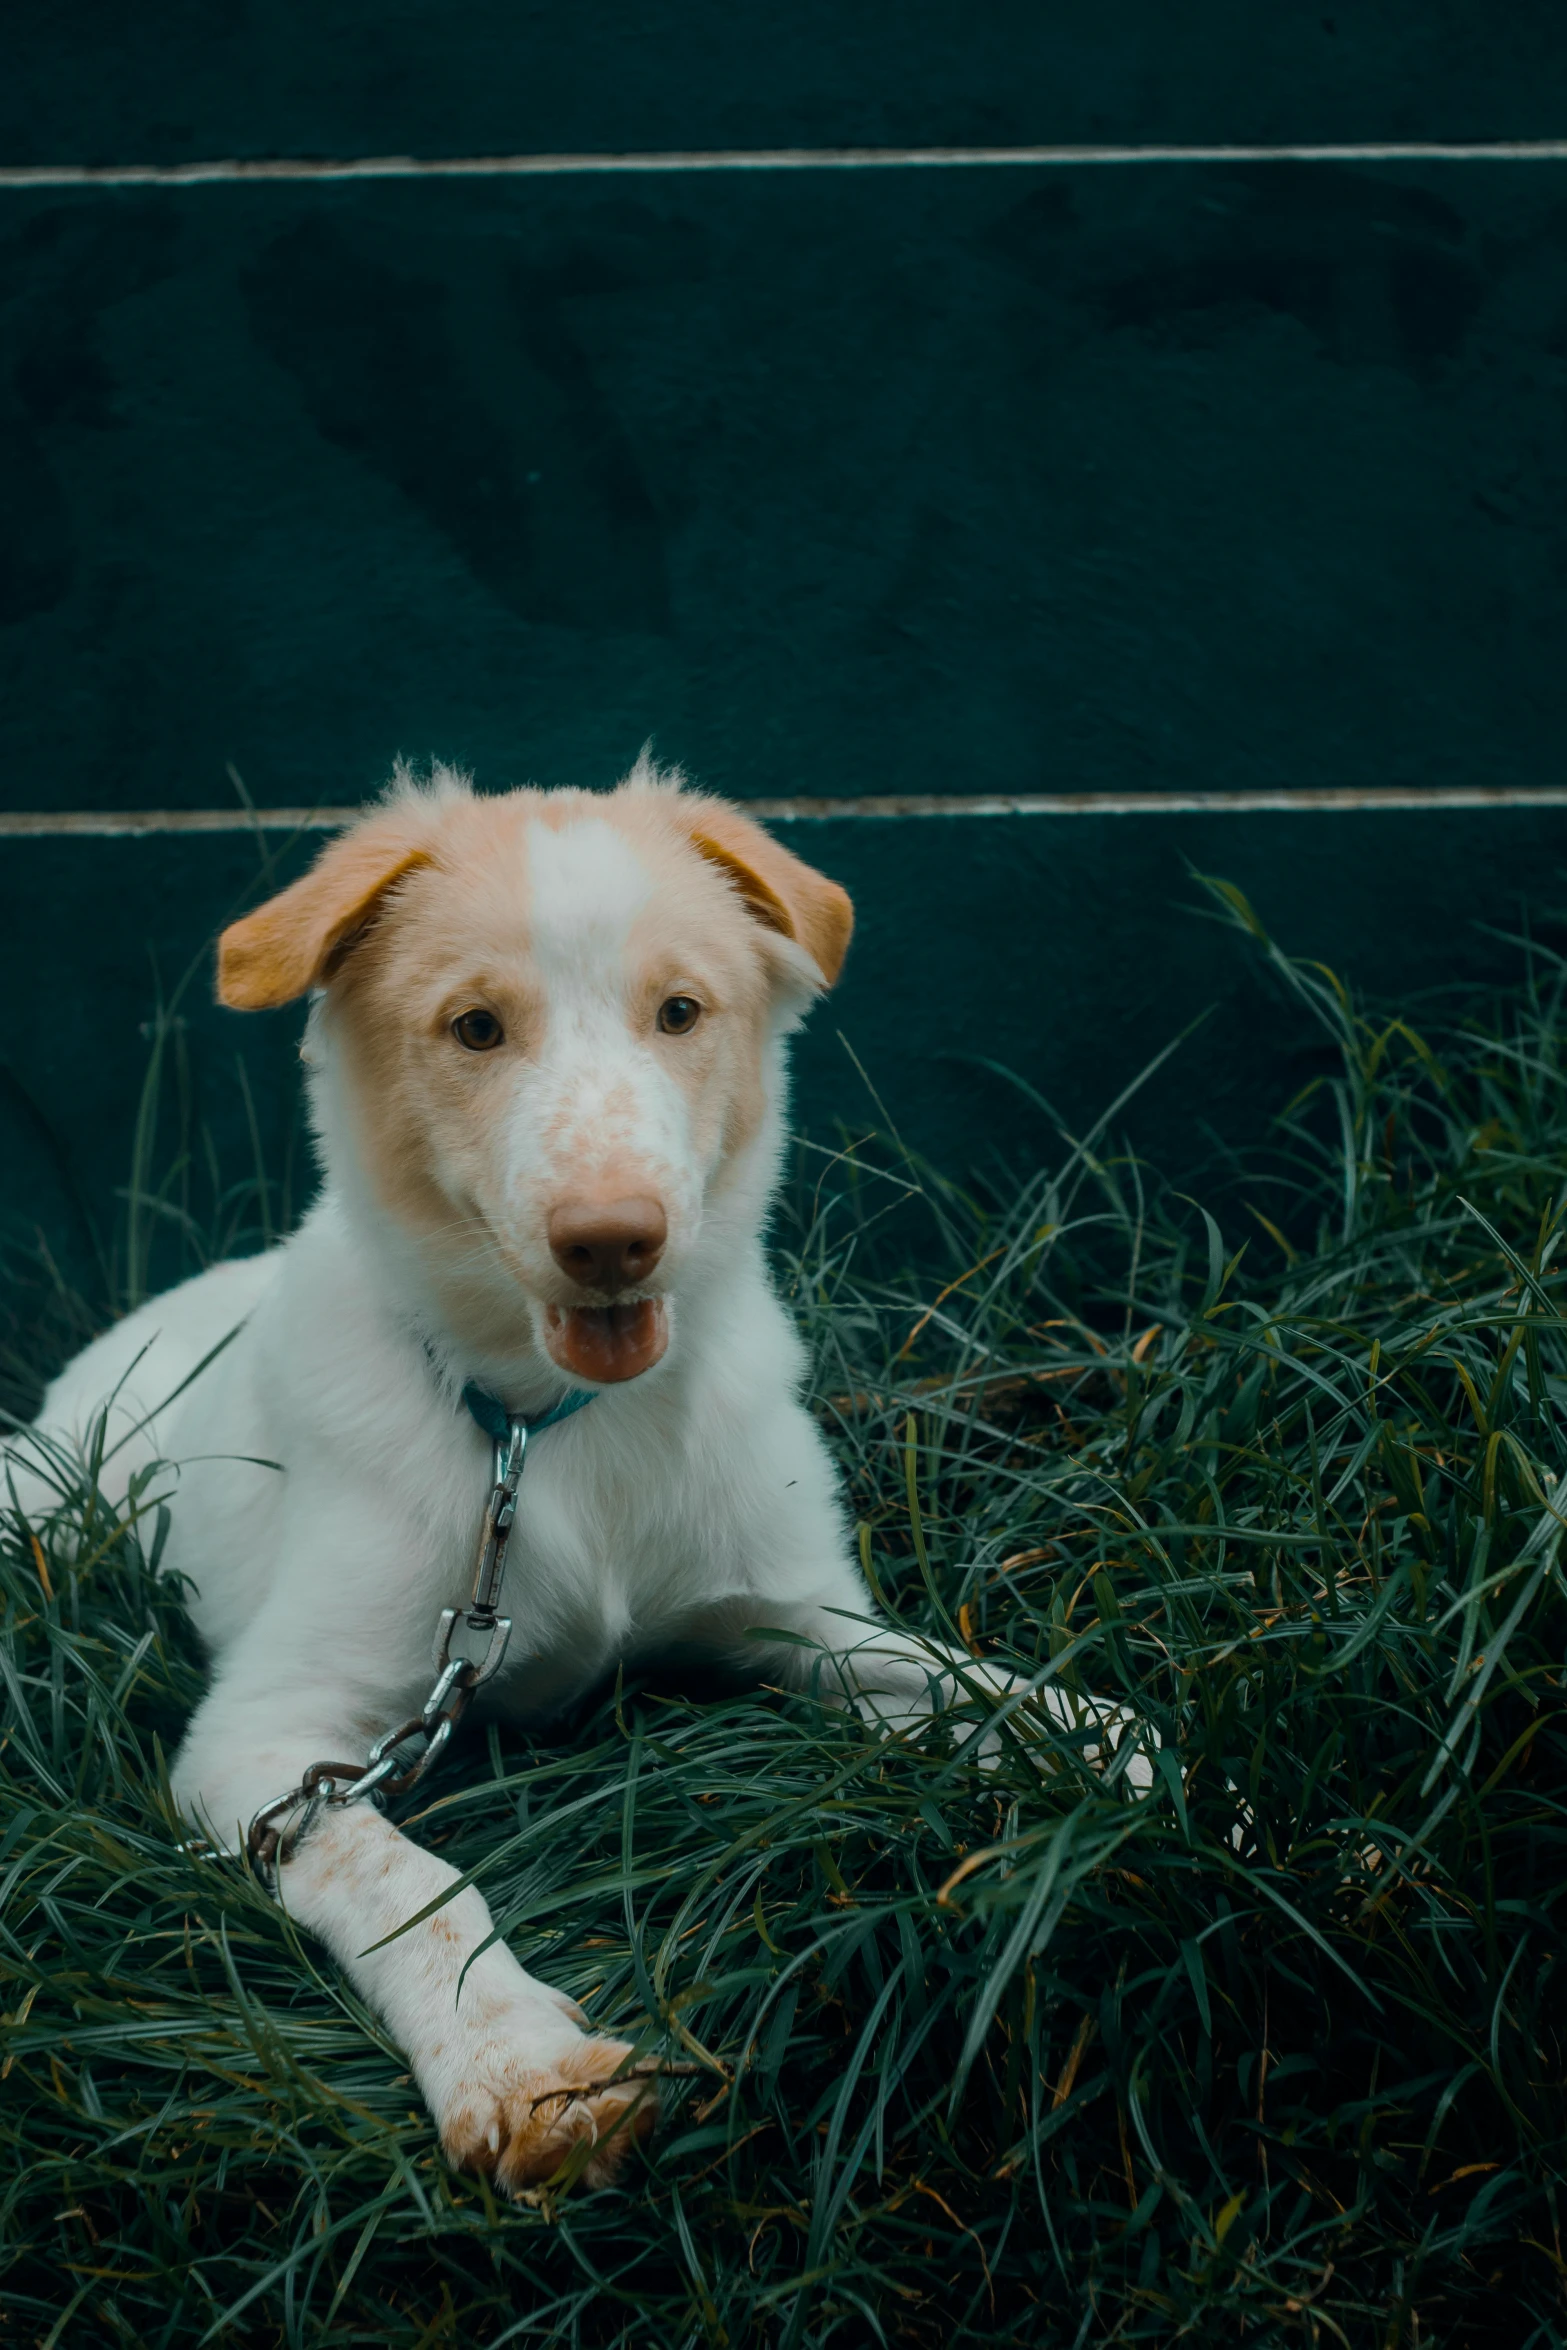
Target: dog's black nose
{"x":611,"y":1245}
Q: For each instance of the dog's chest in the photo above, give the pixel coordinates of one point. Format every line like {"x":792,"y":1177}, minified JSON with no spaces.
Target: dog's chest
{"x":602,"y":1569}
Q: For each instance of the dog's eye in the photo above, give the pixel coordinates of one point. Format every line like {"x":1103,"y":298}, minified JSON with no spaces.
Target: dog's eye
{"x":679,"y":1015}
{"x":479,"y":1030}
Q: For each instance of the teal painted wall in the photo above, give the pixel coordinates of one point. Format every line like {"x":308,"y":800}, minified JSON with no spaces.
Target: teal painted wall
{"x":940,"y":482}
{"x":922,"y":482}
{"x":95,"y":82}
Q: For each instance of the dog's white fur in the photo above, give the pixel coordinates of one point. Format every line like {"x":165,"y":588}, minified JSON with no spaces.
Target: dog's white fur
{"x":688,"y":1505}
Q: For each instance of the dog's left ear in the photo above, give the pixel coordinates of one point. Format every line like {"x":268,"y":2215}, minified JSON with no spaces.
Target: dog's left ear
{"x":297,"y":939}
{"x":781,"y":891}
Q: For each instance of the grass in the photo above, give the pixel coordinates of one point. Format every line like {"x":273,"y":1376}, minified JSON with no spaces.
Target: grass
{"x":988,"y":2051}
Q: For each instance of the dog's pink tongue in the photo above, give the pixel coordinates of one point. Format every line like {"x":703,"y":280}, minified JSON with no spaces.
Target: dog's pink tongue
{"x":608,"y":1343}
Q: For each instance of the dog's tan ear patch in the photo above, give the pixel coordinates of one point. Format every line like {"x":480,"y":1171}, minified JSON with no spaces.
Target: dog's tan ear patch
{"x":289,"y":945}
{"x":781,"y":891}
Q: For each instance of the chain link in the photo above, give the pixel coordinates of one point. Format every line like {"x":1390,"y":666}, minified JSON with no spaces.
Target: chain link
{"x":399,"y":1759}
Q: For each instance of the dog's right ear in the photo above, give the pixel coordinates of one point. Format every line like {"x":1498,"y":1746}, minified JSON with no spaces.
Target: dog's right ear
{"x":297,"y":939}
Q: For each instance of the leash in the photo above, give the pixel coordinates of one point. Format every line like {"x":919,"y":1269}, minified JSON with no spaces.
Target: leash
{"x":387,"y":1769}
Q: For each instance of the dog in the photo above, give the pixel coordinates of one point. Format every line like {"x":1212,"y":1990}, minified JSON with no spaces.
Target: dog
{"x":545,"y":1060}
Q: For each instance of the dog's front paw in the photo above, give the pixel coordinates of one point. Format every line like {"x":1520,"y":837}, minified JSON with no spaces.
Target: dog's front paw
{"x":517,"y":2119}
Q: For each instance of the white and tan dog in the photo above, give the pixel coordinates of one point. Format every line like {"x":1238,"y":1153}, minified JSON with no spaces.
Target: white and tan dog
{"x":546,"y":1067}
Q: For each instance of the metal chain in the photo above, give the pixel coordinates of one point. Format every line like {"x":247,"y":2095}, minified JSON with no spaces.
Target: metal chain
{"x":400,"y":1759}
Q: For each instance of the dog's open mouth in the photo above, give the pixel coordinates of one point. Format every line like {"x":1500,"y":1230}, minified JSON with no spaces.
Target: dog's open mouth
{"x":608,"y":1343}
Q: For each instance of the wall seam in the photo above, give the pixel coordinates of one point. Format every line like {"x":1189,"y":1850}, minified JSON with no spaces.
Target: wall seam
{"x":229,"y":170}
{"x":133,"y":823}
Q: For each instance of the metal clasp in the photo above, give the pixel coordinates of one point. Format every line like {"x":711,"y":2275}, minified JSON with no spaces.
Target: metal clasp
{"x":489,"y":1571}
{"x":499,"y":1518}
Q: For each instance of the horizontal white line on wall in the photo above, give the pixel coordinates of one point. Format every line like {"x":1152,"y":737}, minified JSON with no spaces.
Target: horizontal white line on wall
{"x":135,"y":823}
{"x":733,"y":159}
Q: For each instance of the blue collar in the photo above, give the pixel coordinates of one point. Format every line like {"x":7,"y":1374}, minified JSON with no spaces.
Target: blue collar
{"x":495,"y":1420}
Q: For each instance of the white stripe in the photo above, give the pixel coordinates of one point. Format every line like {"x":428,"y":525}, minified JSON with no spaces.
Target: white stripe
{"x":131,"y":823}
{"x":732,"y":159}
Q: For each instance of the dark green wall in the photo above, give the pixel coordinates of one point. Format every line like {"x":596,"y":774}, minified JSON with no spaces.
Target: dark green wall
{"x":927,"y":482}
{"x":1169,"y":479}
{"x":95,"y":81}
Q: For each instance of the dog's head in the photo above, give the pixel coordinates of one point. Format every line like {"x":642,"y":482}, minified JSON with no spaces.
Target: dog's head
{"x":547,"y":1039}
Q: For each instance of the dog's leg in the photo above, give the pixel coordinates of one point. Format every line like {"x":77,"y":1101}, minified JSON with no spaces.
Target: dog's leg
{"x":897,"y":1677}
{"x":893,"y":1676}
{"x":845,"y":1649}
{"x":513,"y":2081}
